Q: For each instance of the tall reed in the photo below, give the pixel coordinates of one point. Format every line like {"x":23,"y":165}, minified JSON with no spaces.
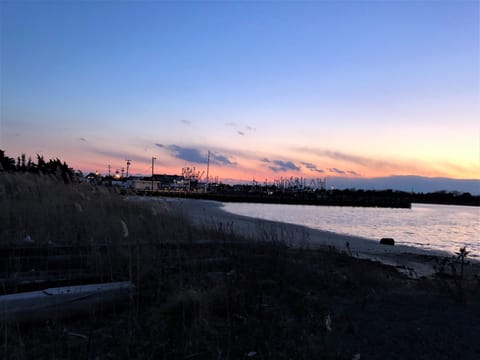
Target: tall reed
{"x":42,"y":210}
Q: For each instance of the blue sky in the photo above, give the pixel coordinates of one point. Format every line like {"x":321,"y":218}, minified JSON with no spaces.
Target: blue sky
{"x":335,"y":88}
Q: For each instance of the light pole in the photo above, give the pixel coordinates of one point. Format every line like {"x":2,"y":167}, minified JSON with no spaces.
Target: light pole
{"x":208,"y":170}
{"x":128,"y":165}
{"x":153,"y":167}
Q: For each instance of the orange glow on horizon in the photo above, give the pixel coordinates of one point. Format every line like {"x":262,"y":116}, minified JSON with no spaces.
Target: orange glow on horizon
{"x":251,"y":170}
{"x":247,"y":168}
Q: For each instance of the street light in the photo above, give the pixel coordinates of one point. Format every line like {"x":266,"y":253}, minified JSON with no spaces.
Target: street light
{"x":128,"y":165}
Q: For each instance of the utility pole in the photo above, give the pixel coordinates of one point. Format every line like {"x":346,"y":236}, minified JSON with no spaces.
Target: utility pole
{"x":128,"y":165}
{"x":109,"y":168}
{"x":153,"y":167}
{"x":208,"y":170}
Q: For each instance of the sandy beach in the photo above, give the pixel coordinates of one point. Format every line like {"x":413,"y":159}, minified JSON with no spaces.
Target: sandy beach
{"x":410,"y":260}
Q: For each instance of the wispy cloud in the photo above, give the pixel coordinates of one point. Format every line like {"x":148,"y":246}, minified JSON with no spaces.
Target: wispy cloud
{"x":355,"y":159}
{"x":336,"y":171}
{"x":82,"y":139}
{"x":240,"y":129}
{"x":312,"y":167}
{"x":280,"y":165}
{"x":220,"y":159}
{"x":185,"y":153}
{"x":348,"y":158}
{"x":343,"y":172}
{"x":186,"y":122}
{"x":196,"y":155}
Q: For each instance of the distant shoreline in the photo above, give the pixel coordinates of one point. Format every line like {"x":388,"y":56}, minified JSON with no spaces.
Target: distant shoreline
{"x":350,"y":198}
{"x":298,"y":198}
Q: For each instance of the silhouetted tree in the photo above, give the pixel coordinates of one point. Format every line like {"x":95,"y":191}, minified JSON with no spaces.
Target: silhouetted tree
{"x":31,"y":166}
{"x":41,"y":164}
{"x":60,"y":169}
{"x":53,"y":166}
{"x":23,"y":164}
{"x":8,"y":164}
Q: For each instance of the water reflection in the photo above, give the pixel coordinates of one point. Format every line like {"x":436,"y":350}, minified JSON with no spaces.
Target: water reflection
{"x":439,"y":227}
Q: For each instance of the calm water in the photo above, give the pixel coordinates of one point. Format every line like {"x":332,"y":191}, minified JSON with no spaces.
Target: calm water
{"x":438,"y":227}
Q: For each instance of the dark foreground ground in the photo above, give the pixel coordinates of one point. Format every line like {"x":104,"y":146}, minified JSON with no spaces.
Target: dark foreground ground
{"x":240,"y":300}
{"x":226,"y":298}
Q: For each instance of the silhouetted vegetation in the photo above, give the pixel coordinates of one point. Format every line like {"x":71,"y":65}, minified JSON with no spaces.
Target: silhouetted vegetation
{"x":51,"y":167}
{"x":446,"y":198}
{"x":460,"y":287}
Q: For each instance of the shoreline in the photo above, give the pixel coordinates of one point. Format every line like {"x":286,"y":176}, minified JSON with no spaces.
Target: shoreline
{"x":411,"y":260}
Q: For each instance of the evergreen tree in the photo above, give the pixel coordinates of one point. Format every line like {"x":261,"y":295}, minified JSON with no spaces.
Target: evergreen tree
{"x":53,"y":166}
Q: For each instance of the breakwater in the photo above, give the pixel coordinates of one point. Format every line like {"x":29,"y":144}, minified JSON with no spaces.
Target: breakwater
{"x":385,"y":199}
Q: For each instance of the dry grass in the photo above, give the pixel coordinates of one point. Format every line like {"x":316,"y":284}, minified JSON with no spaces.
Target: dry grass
{"x":225,"y":298}
{"x":42,"y":210}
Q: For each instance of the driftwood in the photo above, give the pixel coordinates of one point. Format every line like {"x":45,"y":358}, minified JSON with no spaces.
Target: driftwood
{"x":60,"y":302}
{"x":38,"y":283}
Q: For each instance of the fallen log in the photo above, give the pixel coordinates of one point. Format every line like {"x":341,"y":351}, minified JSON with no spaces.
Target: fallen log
{"x":54,"y":303}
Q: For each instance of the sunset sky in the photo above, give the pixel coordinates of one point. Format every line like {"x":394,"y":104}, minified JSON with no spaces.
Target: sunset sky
{"x":271,"y":89}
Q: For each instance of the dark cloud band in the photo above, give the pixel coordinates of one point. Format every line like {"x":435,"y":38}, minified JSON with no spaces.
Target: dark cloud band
{"x":194,"y":155}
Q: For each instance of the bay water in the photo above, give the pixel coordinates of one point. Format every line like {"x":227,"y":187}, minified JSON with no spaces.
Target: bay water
{"x":435,"y":227}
